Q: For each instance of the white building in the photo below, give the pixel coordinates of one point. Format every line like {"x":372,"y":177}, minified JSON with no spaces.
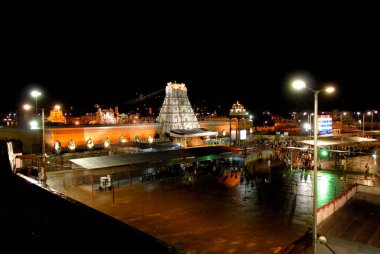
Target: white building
{"x":176,"y":112}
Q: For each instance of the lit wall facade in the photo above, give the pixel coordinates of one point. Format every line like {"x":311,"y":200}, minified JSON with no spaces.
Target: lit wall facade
{"x":31,"y":139}
{"x":98,"y":134}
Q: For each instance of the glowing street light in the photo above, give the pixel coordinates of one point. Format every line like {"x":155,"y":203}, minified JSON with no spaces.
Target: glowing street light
{"x":26,"y":107}
{"x":300,"y":84}
{"x":35,"y":94}
{"x":363,"y":124}
{"x":371,"y":112}
{"x":33,"y":124}
{"x":341,"y":120}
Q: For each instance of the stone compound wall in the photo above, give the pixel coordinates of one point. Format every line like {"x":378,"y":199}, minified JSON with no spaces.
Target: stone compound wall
{"x":80,"y":135}
{"x":98,"y":134}
{"x":31,"y":139}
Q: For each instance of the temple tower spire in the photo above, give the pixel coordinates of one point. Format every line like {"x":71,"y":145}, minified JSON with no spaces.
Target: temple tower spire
{"x":176,"y":111}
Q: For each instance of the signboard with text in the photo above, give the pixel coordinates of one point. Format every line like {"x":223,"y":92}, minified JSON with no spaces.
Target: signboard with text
{"x":324,"y":124}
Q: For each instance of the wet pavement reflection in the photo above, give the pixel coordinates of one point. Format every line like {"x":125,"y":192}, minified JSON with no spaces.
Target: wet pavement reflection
{"x":205,"y":216}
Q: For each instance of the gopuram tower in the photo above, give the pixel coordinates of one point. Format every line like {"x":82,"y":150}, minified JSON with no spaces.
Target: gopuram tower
{"x":176,"y":112}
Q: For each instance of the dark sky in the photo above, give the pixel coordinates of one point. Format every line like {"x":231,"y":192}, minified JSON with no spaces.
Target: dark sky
{"x":83,"y":58}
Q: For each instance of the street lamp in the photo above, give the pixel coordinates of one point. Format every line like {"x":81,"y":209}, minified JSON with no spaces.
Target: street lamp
{"x":300,"y":84}
{"x":341,"y":120}
{"x":359,"y":121}
{"x":371,"y":113}
{"x":363,"y":123}
{"x":35,"y":94}
{"x":308,"y":125}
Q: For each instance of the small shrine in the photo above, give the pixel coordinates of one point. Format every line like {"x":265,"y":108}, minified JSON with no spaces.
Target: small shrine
{"x":105,"y":116}
{"x":237,"y":112}
{"x":56,"y":115}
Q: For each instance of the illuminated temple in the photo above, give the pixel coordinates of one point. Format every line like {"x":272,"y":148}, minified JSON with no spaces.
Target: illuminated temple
{"x":176,"y":112}
{"x":105,"y":116}
{"x":178,"y":120}
{"x":56,"y":116}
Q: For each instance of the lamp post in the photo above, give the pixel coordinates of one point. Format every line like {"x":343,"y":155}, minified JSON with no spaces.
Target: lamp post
{"x":35,"y":94}
{"x":308,"y":123}
{"x":300,"y":84}
{"x":341,"y":120}
{"x":43,"y":134}
{"x":363,"y":123}
{"x":371,"y":113}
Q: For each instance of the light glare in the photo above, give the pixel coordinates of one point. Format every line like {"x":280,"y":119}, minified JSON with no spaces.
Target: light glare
{"x":26,"y":107}
{"x":35,"y":93}
{"x":299,"y":84}
{"x":330,"y":89}
{"x":33,"y":125}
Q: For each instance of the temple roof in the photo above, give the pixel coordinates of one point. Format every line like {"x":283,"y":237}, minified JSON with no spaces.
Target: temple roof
{"x":150,"y":157}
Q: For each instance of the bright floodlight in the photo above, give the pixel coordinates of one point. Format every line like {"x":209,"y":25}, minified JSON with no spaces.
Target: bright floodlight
{"x":26,"y":107}
{"x":57,"y":107}
{"x":330,"y":89}
{"x":307,"y":126}
{"x":33,"y":124}
{"x":298,"y":84}
{"x":35,"y":93}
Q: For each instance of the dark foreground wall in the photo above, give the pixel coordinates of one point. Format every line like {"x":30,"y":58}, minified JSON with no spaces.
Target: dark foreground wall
{"x":33,"y":219}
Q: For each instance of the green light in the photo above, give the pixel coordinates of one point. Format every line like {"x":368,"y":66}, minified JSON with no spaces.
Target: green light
{"x":324,"y":153}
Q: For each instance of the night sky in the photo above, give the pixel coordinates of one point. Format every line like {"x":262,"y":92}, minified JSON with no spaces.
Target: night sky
{"x":84,"y":59}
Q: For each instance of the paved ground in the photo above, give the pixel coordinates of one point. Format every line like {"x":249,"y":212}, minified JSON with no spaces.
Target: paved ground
{"x":357,"y":221}
{"x":205,"y":216}
{"x":35,"y":220}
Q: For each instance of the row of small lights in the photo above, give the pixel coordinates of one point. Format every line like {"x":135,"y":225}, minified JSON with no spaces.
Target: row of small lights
{"x":106,"y":143}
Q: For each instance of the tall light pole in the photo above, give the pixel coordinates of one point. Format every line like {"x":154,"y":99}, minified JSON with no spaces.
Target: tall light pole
{"x":35,"y":94}
{"x":341,"y":124}
{"x":43,"y":134}
{"x":341,"y":120}
{"x":363,"y":123}
{"x":300,"y":84}
{"x":371,"y":113}
{"x":374,"y":111}
{"x":308,"y":122}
